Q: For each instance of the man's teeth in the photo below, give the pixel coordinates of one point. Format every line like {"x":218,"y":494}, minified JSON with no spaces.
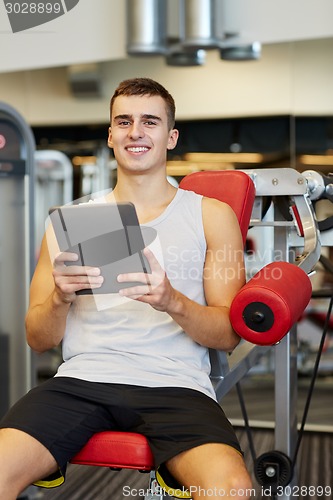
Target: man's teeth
{"x":137,"y":150}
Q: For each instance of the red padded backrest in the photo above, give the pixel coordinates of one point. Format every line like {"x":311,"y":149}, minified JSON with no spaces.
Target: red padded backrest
{"x":231,"y":186}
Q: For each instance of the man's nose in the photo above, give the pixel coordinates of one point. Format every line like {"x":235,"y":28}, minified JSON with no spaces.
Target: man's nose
{"x":136,"y":130}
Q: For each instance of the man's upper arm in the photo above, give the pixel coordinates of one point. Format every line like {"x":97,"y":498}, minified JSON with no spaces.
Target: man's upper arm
{"x":224,"y":272}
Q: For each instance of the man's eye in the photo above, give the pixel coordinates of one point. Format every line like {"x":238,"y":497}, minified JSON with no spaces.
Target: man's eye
{"x":150,"y":123}
{"x":124,"y":123}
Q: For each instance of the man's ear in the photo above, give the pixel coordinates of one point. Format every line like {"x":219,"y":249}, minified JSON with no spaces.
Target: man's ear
{"x":173,"y":139}
{"x":110,"y":142}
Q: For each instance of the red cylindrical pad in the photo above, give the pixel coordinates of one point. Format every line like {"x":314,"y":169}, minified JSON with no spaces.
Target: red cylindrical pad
{"x":268,"y":305}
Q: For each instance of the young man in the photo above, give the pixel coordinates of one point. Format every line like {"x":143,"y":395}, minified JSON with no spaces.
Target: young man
{"x":141,"y":364}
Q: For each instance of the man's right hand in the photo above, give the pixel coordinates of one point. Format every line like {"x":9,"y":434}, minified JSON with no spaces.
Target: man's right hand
{"x":69,"y":279}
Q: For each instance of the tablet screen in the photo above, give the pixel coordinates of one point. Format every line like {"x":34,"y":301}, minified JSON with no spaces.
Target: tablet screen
{"x":104,"y":235}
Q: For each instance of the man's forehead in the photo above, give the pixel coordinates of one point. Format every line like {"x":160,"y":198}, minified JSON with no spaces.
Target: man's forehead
{"x":139,"y":105}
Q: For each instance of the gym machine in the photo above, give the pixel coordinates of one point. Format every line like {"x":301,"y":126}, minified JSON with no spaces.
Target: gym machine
{"x":53,"y":186}
{"x":283,"y":203}
{"x":16,"y":252}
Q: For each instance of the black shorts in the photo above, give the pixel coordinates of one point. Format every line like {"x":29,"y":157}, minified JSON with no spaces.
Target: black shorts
{"x":63,"y":413}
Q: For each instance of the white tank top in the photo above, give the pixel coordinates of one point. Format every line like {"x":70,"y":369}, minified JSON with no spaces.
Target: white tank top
{"x":128,"y":342}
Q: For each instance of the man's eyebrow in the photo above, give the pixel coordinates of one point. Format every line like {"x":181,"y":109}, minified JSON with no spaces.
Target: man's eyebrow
{"x":145,"y":116}
{"x":151,"y":117}
{"x":123,"y":117}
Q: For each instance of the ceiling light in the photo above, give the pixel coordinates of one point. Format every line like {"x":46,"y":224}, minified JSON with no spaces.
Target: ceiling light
{"x":240,"y":52}
{"x":179,"y":57}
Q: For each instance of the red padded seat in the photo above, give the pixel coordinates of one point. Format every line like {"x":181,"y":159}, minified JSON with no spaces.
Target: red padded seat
{"x":118,"y":450}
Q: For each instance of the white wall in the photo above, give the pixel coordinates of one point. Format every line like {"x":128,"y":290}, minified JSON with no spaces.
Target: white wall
{"x":272,"y":21}
{"x":290,"y":78}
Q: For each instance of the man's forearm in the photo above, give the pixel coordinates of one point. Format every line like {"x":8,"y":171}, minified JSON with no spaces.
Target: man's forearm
{"x":208,"y":325}
{"x":45,"y":323}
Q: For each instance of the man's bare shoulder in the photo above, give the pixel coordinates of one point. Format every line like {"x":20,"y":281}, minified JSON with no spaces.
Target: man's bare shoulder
{"x":220,"y":223}
{"x":215,"y":208}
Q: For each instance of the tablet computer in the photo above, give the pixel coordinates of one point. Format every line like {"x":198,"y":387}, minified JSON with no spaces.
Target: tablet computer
{"x":104,"y":235}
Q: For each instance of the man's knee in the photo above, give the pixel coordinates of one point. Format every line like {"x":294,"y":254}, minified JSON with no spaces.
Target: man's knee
{"x":23,"y":460}
{"x":212,"y":471}
{"x":237,"y":486}
{"x":241,"y":486}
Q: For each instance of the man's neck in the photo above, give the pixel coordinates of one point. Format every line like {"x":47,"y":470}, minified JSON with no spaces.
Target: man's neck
{"x":150,"y":194}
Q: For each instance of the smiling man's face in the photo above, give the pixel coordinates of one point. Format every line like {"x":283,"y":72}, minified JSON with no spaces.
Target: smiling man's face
{"x":139,"y":133}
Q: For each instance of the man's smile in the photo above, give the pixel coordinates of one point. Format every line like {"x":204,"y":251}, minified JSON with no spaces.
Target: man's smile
{"x":137,"y":149}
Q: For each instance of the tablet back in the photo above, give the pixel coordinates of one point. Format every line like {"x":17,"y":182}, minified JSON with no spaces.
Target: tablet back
{"x":104,"y":235}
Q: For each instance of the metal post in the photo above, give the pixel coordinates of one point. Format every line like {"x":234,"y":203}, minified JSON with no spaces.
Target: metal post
{"x":285,"y":376}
